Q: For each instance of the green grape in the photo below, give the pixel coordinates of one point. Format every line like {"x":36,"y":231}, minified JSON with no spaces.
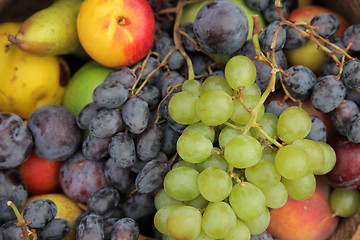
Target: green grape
{"x":259,"y":224}
{"x":162,"y":215}
{"x":239,"y":232}
{"x":182,"y":108}
{"x":345,"y":202}
{"x":216,"y":82}
{"x":162,"y":199}
{"x":166,"y":237}
{"x":330,"y":159}
{"x":182,"y":183}
{"x":294,"y":123}
{"x":226,"y":134}
{"x":194,"y":147}
{"x":240,"y":71}
{"x":214,"y":107}
{"x":243,"y":151}
{"x":202,"y":128}
{"x":315,"y":153}
{"x":184,"y":222}
{"x":185,"y":164}
{"x":214,"y":184}
{"x":252,"y":90}
{"x":202,"y":236}
{"x":263,"y":174}
{"x":218,"y":219}
{"x":247,"y":201}
{"x":291,"y":162}
{"x":214,"y":160}
{"x":300,"y":189}
{"x":268,"y":123}
{"x":276,"y":196}
{"x":268,"y":154}
{"x":198,"y":202}
{"x":192,"y":86}
{"x":241,"y":115}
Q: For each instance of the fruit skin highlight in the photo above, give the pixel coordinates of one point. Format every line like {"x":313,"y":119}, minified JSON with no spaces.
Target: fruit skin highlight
{"x":27,"y":81}
{"x":120,"y":33}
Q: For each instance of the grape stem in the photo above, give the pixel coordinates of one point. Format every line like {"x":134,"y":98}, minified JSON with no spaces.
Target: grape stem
{"x":273,"y":141}
{"x":25,"y":232}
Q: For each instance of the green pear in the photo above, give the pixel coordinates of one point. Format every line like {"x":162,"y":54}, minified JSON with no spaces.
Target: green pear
{"x":50,"y":31}
{"x":79,"y":91}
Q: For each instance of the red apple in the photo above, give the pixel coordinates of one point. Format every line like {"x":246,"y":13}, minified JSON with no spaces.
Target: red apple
{"x":40,"y":175}
{"x":116,"y":33}
{"x":310,"y":219}
{"x":346,"y":172}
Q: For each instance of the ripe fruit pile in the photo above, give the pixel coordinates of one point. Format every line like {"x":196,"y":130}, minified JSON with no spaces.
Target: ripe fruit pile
{"x":204,"y":131}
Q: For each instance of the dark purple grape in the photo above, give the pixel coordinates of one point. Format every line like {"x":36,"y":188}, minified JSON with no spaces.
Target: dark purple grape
{"x":139,"y":205}
{"x":163,"y":45}
{"x":149,"y":141}
{"x":170,"y":138}
{"x":86,"y":114}
{"x":262,"y":236}
{"x":351,"y":74}
{"x":151,"y":176}
{"x":329,"y":68}
{"x":174,"y":79}
{"x":91,"y":227}
{"x":327,"y":94}
{"x":135,"y":114}
{"x":40,"y":212}
{"x":335,"y":40}
{"x":257,"y":5}
{"x":54,"y":230}
{"x":118,"y":177}
{"x":80,"y":177}
{"x":342,"y":114}
{"x":122,"y":150}
{"x":12,"y":188}
{"x":221,"y":27}
{"x":103,"y":200}
{"x":200,"y":63}
{"x":151,"y":95}
{"x":106,"y":123}
{"x":125,"y":228}
{"x":10,"y":231}
{"x":109,"y":224}
{"x":137,"y":166}
{"x":353,"y":130}
{"x":16,"y":141}
{"x":352,"y":35}
{"x":96,"y":148}
{"x":56,"y":134}
{"x":299,"y":81}
{"x":151,"y":64}
{"x":110,"y":94}
{"x":353,"y":95}
{"x":270,"y":14}
{"x":318,"y":130}
{"x":294,"y":39}
{"x":267,"y":36}
{"x":276,"y":107}
{"x":187,"y":43}
{"x":116,"y":212}
{"x":124,"y":75}
{"x":327,"y":24}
